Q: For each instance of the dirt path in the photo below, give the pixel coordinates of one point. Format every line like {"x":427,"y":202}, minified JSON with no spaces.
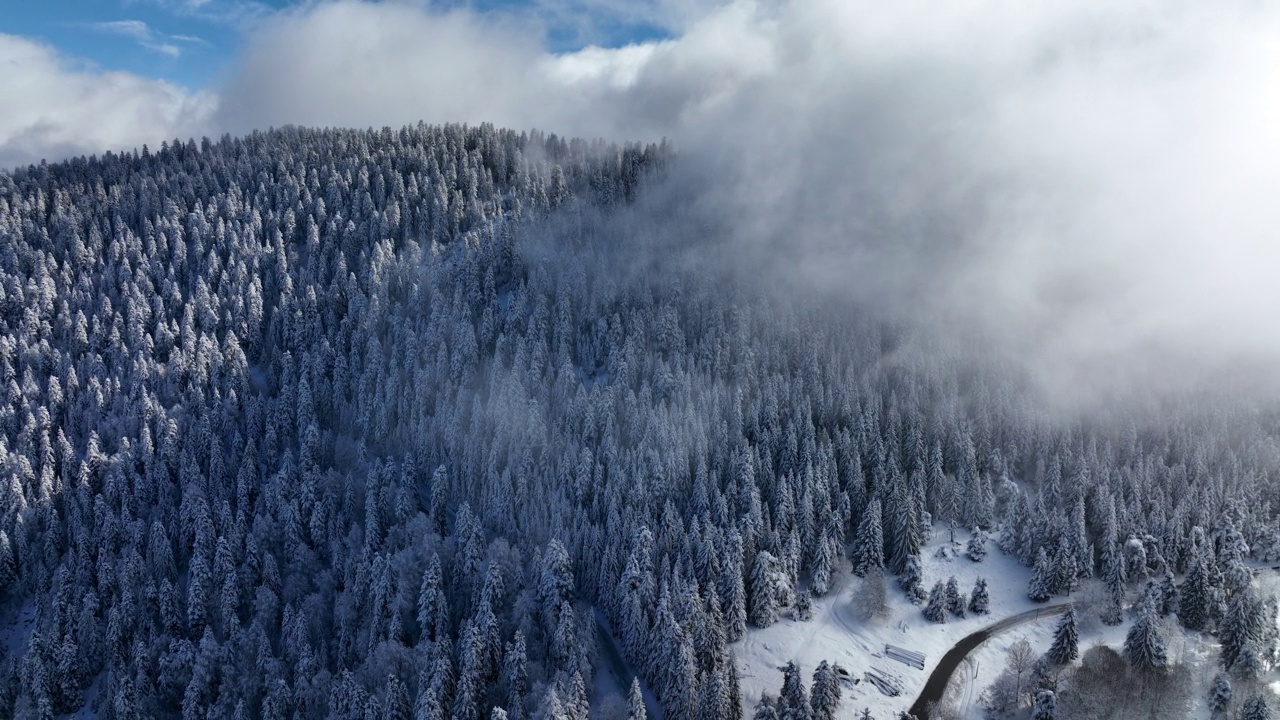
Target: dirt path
{"x":619,"y":667}
{"x":937,"y":682}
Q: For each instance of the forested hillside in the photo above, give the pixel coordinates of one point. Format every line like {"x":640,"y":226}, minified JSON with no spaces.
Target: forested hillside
{"x":365,"y":424}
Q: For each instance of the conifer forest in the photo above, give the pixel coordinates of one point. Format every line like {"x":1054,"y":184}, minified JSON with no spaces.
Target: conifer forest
{"x":452,"y":421}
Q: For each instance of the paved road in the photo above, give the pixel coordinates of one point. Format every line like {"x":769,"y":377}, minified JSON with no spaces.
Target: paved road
{"x":937,"y":682}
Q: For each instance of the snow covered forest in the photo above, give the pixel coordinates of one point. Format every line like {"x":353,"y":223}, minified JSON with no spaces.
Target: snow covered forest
{"x":424,"y":423}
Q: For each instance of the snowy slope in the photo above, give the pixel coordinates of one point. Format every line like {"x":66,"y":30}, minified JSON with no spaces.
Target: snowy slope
{"x":838,"y":634}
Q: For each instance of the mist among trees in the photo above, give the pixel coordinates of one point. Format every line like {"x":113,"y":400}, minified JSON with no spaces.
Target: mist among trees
{"x":427,"y":423}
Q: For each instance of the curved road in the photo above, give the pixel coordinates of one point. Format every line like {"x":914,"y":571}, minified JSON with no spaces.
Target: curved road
{"x":937,"y":682}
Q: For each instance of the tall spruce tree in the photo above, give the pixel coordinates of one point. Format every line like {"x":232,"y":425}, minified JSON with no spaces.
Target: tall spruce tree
{"x":1066,"y":642}
{"x":1144,"y":645}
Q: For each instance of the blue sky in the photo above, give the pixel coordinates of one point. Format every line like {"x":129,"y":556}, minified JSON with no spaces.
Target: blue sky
{"x":192,"y":42}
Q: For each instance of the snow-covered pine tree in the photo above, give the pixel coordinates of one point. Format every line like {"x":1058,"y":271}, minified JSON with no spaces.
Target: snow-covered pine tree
{"x":804,"y":606}
{"x":1112,"y":612}
{"x":635,"y":702}
{"x":1144,"y":645}
{"x":912,"y":581}
{"x":935,"y":610}
{"x":794,"y":699}
{"x":823,"y":562}
{"x":1220,"y":695}
{"x":1196,"y":595}
{"x":955,"y":601}
{"x":1039,"y":587}
{"x":1239,"y":632}
{"x":824,"y":697}
{"x":977,"y":547}
{"x":868,"y":545}
{"x":770,"y":590}
{"x":979,"y":599}
{"x":1256,"y":709}
{"x":1064,"y":574}
{"x":1066,"y":643}
{"x":1046,"y":707}
{"x":1168,"y":594}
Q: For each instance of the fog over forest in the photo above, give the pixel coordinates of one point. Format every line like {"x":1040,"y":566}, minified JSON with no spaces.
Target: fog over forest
{"x":414,"y":371}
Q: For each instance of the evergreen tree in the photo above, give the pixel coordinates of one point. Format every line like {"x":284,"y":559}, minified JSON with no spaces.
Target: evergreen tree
{"x":635,"y":702}
{"x":769,"y":590}
{"x":1168,"y":594}
{"x":868,"y":545}
{"x":935,"y":610}
{"x":912,"y":581}
{"x":1196,"y":596}
{"x":1064,"y":574}
{"x":767,"y":708}
{"x":1065,"y":647}
{"x":1039,"y":588}
{"x":977,"y":547}
{"x":955,"y":601}
{"x":905,"y":537}
{"x":1240,"y":630}
{"x":822,"y":565}
{"x":824,"y":698}
{"x":1144,"y":645}
{"x":1220,"y":695}
{"x":794,"y":701}
{"x":1256,"y":709}
{"x":979,"y":600}
{"x":1046,"y":707}
{"x":804,"y":606}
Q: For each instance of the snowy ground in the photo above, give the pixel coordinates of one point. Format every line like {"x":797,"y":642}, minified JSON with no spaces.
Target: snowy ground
{"x":838,"y":634}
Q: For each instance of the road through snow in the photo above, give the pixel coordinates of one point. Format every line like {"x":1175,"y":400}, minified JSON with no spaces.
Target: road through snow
{"x":941,"y":675}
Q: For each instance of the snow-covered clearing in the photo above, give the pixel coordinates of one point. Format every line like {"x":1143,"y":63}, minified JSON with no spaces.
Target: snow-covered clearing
{"x":839,"y":634}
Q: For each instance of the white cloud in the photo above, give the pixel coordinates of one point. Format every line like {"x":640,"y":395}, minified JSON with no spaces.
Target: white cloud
{"x":143,"y":34}
{"x":1087,"y":185}
{"x":56,"y":109}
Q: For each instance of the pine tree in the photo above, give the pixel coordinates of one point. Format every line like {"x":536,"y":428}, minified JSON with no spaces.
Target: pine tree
{"x":804,"y":606}
{"x":822,"y":564}
{"x":733,"y":689}
{"x":734,"y":594}
{"x":868,"y":546}
{"x":433,"y":607}
{"x":766,"y":578}
{"x":794,"y":700}
{"x":635,"y":702}
{"x":1168,"y":594}
{"x":936,"y":609}
{"x":977,"y":547}
{"x":1063,"y":574}
{"x":1039,"y":590}
{"x":824,"y":698}
{"x":912,"y":581}
{"x":397,"y":705}
{"x":1197,"y":592}
{"x":1144,"y":645}
{"x":1240,"y":630}
{"x":1066,"y":643}
{"x":905,"y":538}
{"x":767,"y":708}
{"x":955,"y":601}
{"x":8,"y":572}
{"x":1112,"y":612}
{"x":1046,"y":707}
{"x":979,"y":600}
{"x":1220,"y":695}
{"x":1256,"y":709}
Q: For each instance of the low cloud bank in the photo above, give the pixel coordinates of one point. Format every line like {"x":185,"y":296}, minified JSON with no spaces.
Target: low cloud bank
{"x":1084,"y":187}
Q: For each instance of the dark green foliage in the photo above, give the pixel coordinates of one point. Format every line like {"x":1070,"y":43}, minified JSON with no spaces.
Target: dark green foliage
{"x":1066,"y":643}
